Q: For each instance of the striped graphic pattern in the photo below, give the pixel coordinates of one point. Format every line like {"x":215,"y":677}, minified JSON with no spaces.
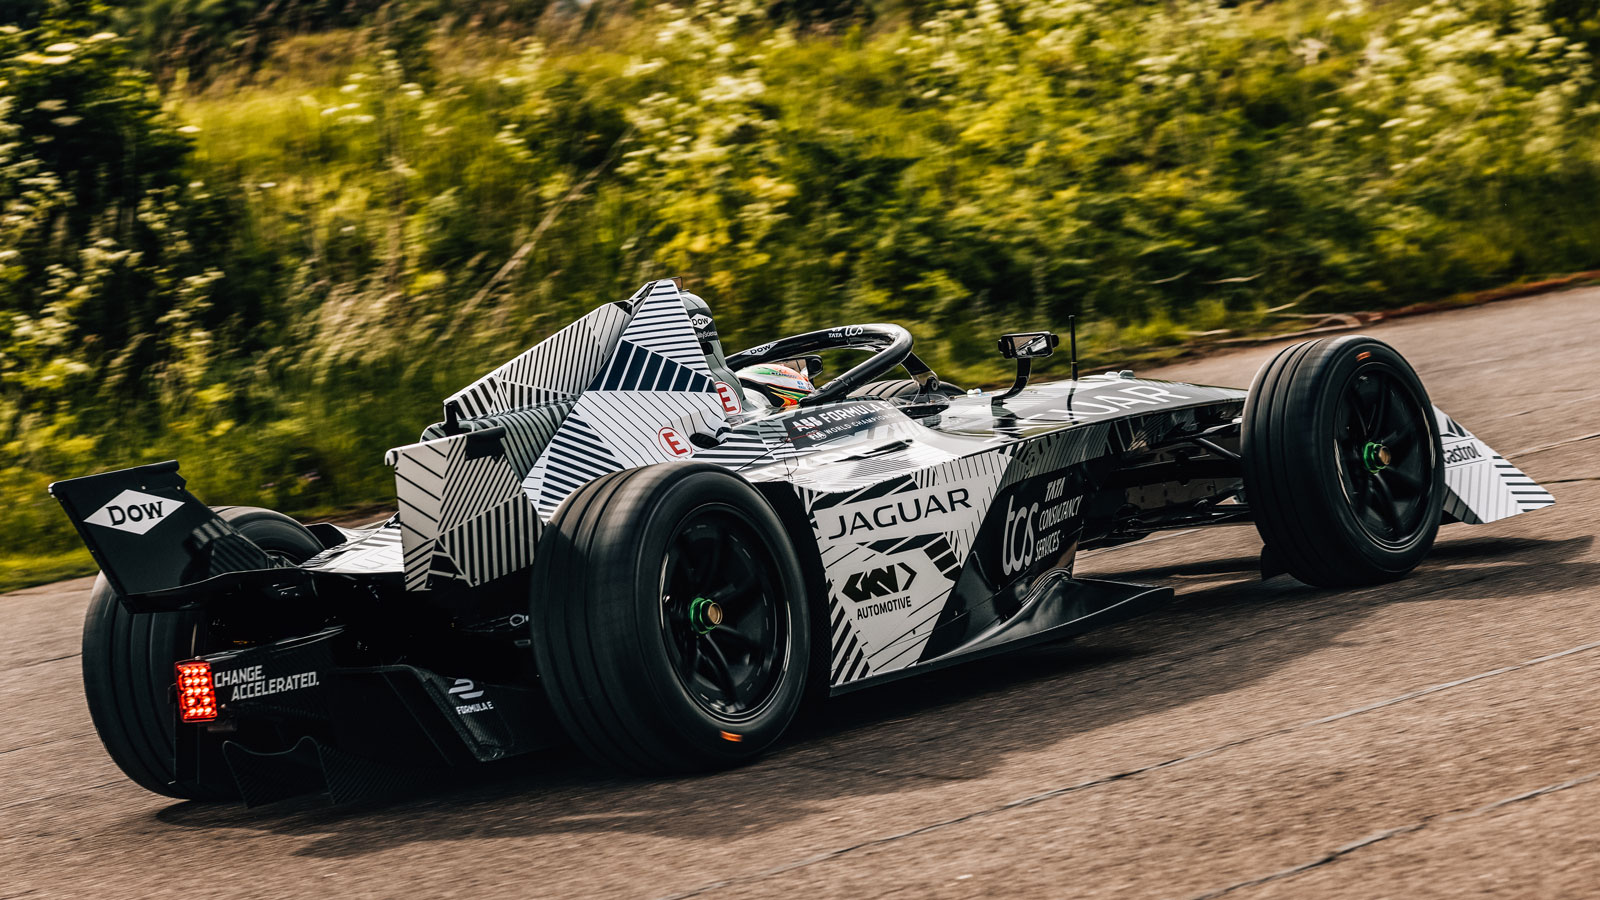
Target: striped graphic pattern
{"x":1058,"y":451}
{"x":462,"y":516}
{"x":635,"y":368}
{"x":556,"y":369}
{"x":981,"y":474}
{"x":475,"y":485}
{"x":661,"y":325}
{"x":419,"y":479}
{"x":1481,"y":486}
{"x":905,"y":648}
{"x":941,"y":553}
{"x":849,"y":661}
{"x":575,"y":457}
{"x":497,"y":541}
{"x":379,"y":550}
{"x":657,"y":381}
{"x":528,"y":432}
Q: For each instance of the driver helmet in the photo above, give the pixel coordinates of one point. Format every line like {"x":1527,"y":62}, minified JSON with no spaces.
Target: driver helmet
{"x":781,"y":384}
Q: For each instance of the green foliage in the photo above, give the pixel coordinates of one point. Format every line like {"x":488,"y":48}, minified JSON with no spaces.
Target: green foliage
{"x":282,"y":286}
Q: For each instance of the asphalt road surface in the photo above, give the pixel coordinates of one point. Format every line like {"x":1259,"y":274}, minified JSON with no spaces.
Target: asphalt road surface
{"x":1433,"y":738}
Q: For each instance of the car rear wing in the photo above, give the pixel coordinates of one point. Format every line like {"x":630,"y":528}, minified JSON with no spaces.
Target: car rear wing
{"x":159,"y":546}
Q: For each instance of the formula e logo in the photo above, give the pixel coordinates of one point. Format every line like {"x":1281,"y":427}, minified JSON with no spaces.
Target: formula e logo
{"x":134,"y":511}
{"x":881,"y":582}
{"x":464,"y":689}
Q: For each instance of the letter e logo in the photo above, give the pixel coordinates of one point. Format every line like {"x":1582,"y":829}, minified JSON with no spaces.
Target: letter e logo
{"x":673,"y":443}
{"x":730,"y":398}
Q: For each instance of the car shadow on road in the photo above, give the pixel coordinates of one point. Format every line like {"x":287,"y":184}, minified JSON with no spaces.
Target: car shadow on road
{"x":1227,"y":631}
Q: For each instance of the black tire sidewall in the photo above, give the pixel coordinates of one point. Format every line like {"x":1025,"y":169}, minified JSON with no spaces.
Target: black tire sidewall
{"x":1292,"y":474}
{"x":128,"y":659}
{"x":1335,"y":378}
{"x":698,"y":727}
{"x":597,"y":636}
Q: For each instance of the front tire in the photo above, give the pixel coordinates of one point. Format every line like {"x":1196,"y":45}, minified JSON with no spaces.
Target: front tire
{"x":128,"y":663}
{"x":671,"y":625}
{"x":1343,"y":469}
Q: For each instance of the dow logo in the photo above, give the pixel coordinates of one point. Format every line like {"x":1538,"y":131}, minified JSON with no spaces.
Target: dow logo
{"x":134,"y":511}
{"x":880,"y":582}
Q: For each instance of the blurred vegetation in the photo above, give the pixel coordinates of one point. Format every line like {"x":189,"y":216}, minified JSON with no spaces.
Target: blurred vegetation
{"x":267,"y":236}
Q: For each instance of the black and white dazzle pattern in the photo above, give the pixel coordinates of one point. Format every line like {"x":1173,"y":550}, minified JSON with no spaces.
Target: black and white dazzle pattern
{"x":368,"y":553}
{"x":558,"y":368}
{"x":1481,"y":486}
{"x":463,"y":515}
{"x":643,"y":405}
{"x":892,"y":552}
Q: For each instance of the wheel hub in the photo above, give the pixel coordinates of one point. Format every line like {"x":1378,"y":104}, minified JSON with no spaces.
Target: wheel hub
{"x":704,"y":615}
{"x":1376,"y":457}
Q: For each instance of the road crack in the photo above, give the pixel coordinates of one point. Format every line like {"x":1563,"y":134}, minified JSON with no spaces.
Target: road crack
{"x":1369,"y":840}
{"x":1054,"y":793}
{"x":1558,"y":444}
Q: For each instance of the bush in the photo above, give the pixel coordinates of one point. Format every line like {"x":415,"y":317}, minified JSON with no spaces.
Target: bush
{"x":344,"y":243}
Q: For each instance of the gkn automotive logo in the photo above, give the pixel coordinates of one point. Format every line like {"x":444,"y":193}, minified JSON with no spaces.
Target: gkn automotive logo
{"x":880,"y":590}
{"x":882,"y":582}
{"x":134,"y":511}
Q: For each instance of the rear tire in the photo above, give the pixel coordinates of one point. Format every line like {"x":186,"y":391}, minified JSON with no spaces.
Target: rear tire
{"x":1343,"y":469}
{"x":625,"y":580}
{"x":128,"y":663}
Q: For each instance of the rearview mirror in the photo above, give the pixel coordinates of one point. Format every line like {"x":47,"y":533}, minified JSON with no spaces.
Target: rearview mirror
{"x":1028,"y":345}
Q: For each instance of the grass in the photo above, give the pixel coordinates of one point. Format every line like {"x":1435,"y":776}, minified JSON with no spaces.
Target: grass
{"x":26,"y":570}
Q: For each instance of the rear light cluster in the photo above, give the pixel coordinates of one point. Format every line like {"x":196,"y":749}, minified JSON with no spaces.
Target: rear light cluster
{"x":197,"y":695}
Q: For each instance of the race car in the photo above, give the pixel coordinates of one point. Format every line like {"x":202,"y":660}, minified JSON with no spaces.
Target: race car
{"x":619,"y":540}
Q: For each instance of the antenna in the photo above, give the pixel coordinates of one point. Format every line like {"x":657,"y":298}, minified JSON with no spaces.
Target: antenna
{"x":1072,"y":330}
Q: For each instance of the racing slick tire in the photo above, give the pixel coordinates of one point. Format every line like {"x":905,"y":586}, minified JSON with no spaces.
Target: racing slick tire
{"x":128,"y":663}
{"x":903,"y":387}
{"x":1343,"y":470}
{"x":670,"y":619}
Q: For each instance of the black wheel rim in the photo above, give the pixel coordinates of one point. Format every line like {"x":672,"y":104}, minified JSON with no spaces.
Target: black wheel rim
{"x":1384,"y":449}
{"x":725,"y":628}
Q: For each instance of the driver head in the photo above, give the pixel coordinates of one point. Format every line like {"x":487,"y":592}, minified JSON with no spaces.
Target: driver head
{"x":781,"y":385}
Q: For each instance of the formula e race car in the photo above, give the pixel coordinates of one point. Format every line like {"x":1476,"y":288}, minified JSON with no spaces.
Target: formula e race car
{"x":617,"y":539}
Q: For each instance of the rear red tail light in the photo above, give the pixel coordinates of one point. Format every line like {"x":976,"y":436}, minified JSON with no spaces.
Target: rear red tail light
{"x":197,"y":695}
